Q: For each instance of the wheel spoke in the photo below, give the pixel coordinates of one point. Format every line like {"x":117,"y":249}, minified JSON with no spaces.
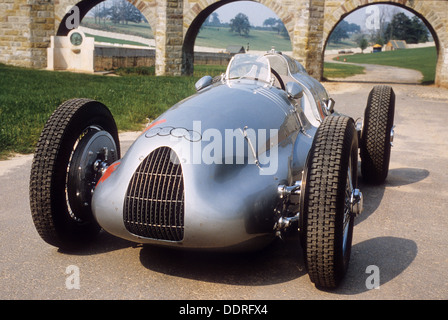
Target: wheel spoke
{"x":347,"y":205}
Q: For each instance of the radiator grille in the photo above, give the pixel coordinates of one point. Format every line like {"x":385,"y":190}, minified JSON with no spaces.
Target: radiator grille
{"x":154,"y":203}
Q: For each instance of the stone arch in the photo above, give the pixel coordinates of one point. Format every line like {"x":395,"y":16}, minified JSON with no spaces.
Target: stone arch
{"x":198,"y":13}
{"x":145,"y":7}
{"x":422,"y":9}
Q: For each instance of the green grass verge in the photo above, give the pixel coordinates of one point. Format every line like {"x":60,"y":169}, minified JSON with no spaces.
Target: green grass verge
{"x":28,"y":98}
{"x":421,"y":59}
{"x":137,"y":29}
{"x":339,"y":70}
{"x":118,"y":41}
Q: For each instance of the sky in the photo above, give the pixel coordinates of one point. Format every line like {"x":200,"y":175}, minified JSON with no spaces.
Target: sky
{"x":256,"y":12}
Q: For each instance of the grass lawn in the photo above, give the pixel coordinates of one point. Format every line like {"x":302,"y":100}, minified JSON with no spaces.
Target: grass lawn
{"x":221,"y":37}
{"x":421,"y":59}
{"x":113,"y":40}
{"x":343,"y":44}
{"x":338,"y":70}
{"x":141,"y":29}
{"x":28,"y":98}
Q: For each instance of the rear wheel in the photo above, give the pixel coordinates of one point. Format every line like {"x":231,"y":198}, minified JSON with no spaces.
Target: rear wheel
{"x":377,"y":134}
{"x":77,"y":142}
{"x":330,"y":182}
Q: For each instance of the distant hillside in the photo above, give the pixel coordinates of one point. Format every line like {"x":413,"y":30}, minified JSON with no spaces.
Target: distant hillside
{"x":212,"y":37}
{"x":142,"y":29}
{"x":221,"y":37}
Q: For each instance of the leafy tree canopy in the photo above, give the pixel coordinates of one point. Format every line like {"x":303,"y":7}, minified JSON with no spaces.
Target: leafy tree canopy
{"x":240,"y":24}
{"x":276,"y":25}
{"x":412,"y":30}
{"x":342,"y":31}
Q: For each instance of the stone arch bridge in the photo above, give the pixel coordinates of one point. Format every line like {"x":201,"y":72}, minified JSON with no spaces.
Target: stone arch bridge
{"x":26,"y":27}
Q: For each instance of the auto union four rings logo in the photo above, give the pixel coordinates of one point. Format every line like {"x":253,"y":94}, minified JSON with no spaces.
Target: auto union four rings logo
{"x":190,"y":135}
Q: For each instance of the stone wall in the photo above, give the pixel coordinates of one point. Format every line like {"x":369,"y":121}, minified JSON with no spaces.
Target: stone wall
{"x":26,"y":27}
{"x":169,"y":37}
{"x":25,"y":30}
{"x":211,"y":58}
{"x":109,"y":58}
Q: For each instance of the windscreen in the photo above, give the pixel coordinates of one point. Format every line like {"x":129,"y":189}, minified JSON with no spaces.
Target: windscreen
{"x":249,"y":66}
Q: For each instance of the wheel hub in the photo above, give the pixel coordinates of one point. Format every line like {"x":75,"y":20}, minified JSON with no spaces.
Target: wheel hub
{"x":392,"y":135}
{"x":356,"y":202}
{"x":93,"y":154}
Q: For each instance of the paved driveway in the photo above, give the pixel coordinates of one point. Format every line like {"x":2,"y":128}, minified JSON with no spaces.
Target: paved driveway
{"x":402,"y":233}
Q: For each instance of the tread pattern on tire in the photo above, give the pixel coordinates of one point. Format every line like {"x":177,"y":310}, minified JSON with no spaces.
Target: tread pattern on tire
{"x":325,"y":181}
{"x":375,"y":142}
{"x":50,"y":146}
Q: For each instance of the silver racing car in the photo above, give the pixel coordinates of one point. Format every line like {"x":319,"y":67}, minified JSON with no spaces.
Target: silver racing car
{"x":253,"y":153}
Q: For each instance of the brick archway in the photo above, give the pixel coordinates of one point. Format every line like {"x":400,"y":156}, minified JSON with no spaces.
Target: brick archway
{"x":61,"y":14}
{"x":427,"y":11}
{"x":198,"y":13}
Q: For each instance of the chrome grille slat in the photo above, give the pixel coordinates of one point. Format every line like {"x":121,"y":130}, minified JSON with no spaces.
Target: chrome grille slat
{"x":154,"y":203}
{"x":149,"y":199}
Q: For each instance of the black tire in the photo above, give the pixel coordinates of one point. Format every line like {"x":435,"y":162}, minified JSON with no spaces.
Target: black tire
{"x":375,"y":144}
{"x":61,"y":137}
{"x":327,"y":223}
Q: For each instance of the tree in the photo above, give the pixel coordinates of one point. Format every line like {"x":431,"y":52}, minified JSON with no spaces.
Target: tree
{"x":339,"y":32}
{"x":100,"y":12}
{"x":122,"y":12}
{"x":398,"y":27}
{"x":386,"y":13}
{"x":240,"y":24}
{"x":114,"y":13}
{"x":403,"y":28}
{"x":214,"y":20}
{"x":342,"y":31}
{"x":376,"y":37}
{"x":281,"y":29}
{"x":270,"y":22}
{"x":96,"y":13}
{"x":362,"y":43}
{"x":419,"y":32}
{"x":276,"y":25}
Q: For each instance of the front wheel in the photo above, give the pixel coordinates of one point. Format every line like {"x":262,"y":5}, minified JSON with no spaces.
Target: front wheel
{"x":78,"y":141}
{"x":330,"y":182}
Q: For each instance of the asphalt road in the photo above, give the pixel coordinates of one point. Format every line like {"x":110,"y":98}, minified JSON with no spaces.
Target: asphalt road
{"x":402,"y":233}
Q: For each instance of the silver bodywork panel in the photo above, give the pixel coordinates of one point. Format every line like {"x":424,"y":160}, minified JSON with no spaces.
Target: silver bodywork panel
{"x":235,"y":141}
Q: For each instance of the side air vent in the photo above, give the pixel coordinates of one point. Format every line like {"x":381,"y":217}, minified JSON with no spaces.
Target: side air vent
{"x":154,"y":203}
